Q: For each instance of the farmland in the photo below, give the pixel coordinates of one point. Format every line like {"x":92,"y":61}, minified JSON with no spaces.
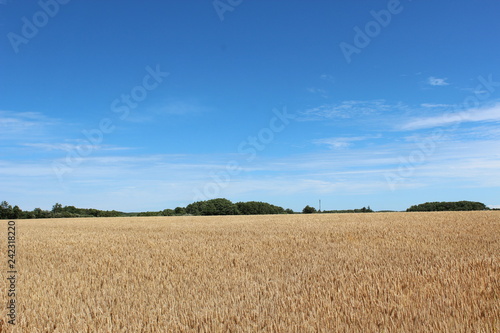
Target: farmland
{"x":395,"y":272}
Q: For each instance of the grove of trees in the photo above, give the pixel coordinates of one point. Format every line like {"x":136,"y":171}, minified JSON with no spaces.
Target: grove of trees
{"x":308,"y":210}
{"x":447,"y":206}
{"x":58,"y":211}
{"x":226,"y":207}
{"x":221,"y":206}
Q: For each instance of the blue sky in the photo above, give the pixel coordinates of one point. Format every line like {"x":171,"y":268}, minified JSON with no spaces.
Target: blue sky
{"x":140,"y":106}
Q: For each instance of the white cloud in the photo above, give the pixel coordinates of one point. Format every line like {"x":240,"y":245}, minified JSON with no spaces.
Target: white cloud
{"x":23,"y":123}
{"x":327,"y":77}
{"x":342,"y":142}
{"x":433,"y":105}
{"x":335,"y":143}
{"x":71,"y":147}
{"x":319,"y":91}
{"x":434,"y":81}
{"x":488,"y":131}
{"x":59,"y":146}
{"x":473,"y":115}
{"x":476,"y":91}
{"x":161,"y":181}
{"x":345,"y":109}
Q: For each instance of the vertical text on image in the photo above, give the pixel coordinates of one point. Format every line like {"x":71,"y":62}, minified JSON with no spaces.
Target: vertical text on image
{"x":11,"y":272}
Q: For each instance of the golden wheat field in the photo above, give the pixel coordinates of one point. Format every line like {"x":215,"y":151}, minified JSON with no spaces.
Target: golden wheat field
{"x":380,"y":272}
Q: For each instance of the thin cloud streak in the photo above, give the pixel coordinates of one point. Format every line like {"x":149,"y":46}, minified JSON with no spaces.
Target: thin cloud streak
{"x":343,"y":142}
{"x":473,"y":115}
{"x":23,"y":123}
{"x":344,"y":110}
{"x":434,"y":81}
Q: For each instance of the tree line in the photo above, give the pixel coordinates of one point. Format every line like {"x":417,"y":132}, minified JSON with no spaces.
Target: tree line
{"x":203,"y":208}
{"x":448,"y":206}
{"x":212,"y":207}
{"x":311,"y":210}
{"x":222,"y":206}
{"x":58,"y":211}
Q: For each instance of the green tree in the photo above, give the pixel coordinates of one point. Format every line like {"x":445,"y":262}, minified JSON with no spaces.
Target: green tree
{"x":72,"y":210}
{"x":258,"y":207}
{"x":168,"y":212}
{"x":150,"y":214}
{"x":223,"y":207}
{"x":57,"y":208}
{"x":16,"y":212}
{"x":180,"y":211}
{"x":41,"y":214}
{"x":308,"y":210}
{"x":5,"y":210}
{"x":218,"y":206}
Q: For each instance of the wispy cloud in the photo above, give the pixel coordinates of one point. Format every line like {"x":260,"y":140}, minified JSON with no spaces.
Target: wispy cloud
{"x":485,"y":131}
{"x":345,"y":109}
{"x":156,"y":181}
{"x":343,"y":142}
{"x":23,"y":123}
{"x":72,"y":147}
{"x":327,"y":77}
{"x":319,"y":91}
{"x":491,"y":113}
{"x":436,"y":105}
{"x":476,"y":91}
{"x":435,"y":81}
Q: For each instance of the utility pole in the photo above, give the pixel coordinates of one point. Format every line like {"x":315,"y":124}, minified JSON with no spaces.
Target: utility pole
{"x":320,"y":205}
